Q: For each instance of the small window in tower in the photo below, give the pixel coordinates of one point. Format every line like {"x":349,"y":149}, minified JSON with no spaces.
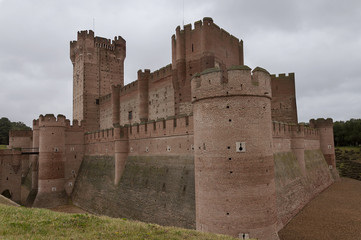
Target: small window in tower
{"x":130,"y":115}
{"x":97,"y":101}
{"x":192,"y":48}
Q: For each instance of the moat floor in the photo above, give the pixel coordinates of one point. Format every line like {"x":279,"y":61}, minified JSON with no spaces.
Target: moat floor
{"x":334,"y":214}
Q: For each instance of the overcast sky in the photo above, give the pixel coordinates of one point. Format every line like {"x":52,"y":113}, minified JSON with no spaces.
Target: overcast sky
{"x":319,"y":40}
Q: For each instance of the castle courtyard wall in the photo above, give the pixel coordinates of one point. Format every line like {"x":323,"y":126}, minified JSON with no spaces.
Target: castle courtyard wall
{"x":129,"y":104}
{"x":161,"y":94}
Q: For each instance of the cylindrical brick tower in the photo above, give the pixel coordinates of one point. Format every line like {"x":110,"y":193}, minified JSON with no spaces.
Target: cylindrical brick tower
{"x":234,"y":166}
{"x":121,"y":150}
{"x":116,"y":104}
{"x":325,"y":127}
{"x":298,"y":145}
{"x":35,"y":158}
{"x":143,"y":86}
{"x":51,"y":182}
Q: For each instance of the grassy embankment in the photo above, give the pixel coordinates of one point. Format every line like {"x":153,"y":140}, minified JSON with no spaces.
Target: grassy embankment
{"x":25,"y":223}
{"x":348,"y":162}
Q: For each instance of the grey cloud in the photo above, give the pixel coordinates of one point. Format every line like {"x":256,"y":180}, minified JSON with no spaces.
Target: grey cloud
{"x":320,"y":41}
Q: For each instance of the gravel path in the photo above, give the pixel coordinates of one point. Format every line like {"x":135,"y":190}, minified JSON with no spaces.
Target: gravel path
{"x":334,"y":214}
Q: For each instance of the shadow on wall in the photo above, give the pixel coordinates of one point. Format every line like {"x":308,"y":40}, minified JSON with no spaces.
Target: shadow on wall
{"x":7,"y":194}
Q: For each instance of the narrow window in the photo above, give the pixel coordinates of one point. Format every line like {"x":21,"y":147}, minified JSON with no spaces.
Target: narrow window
{"x":130,"y":115}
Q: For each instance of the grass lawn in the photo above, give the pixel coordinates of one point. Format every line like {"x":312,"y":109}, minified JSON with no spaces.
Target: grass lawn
{"x":2,"y":146}
{"x":25,"y":223}
{"x":349,"y":148}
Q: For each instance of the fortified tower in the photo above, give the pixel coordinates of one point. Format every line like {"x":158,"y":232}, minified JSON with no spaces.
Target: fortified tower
{"x":234,"y":166}
{"x":51,"y":181}
{"x":298,"y":145}
{"x":98,"y":63}
{"x":194,"y":50}
{"x":284,"y":108}
{"x":35,"y":158}
{"x":121,"y":147}
{"x":325,"y":127}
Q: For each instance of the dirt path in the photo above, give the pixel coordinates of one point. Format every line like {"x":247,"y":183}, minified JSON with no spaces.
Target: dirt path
{"x":334,"y":214}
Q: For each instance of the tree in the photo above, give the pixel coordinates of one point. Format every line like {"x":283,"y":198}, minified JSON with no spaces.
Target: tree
{"x":347,"y":133}
{"x":6,"y":125}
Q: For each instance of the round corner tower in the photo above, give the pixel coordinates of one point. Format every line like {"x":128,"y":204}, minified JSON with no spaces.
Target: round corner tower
{"x":51,"y":191}
{"x":234,"y":165}
{"x":35,"y":158}
{"x":325,"y":127}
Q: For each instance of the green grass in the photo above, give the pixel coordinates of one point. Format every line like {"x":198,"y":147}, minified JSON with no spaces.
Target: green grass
{"x":25,"y":223}
{"x":2,"y":146}
{"x":349,"y":148}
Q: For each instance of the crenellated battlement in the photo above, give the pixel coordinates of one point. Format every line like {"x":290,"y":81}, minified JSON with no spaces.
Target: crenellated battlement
{"x":321,"y":123}
{"x":49,"y":120}
{"x":289,"y":130}
{"x":206,"y":24}
{"x":161,"y":73}
{"x":20,"y":133}
{"x":104,"y":135}
{"x":35,"y":124}
{"x":172,"y":126}
{"x":76,"y":126}
{"x":175,"y":125}
{"x":241,"y":81}
{"x":283,"y":75}
{"x":86,"y":41}
{"x":85,"y":34}
{"x":133,"y":86}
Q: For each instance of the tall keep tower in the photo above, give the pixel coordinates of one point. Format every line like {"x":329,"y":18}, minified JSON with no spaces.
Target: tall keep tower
{"x":98,"y":63}
{"x":233,"y":156}
{"x":194,"y":50}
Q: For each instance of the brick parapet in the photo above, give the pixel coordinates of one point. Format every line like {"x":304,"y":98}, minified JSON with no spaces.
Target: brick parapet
{"x":321,"y":122}
{"x":206,"y":24}
{"x":161,"y":73}
{"x":289,"y":130}
{"x":105,"y":135}
{"x":173,"y":126}
{"x":21,"y":133}
{"x":241,"y":82}
{"x":131,"y":87}
{"x":49,"y":120}
{"x":86,"y":39}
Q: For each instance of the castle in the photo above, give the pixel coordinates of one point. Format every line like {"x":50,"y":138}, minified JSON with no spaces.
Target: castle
{"x":204,"y":142}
